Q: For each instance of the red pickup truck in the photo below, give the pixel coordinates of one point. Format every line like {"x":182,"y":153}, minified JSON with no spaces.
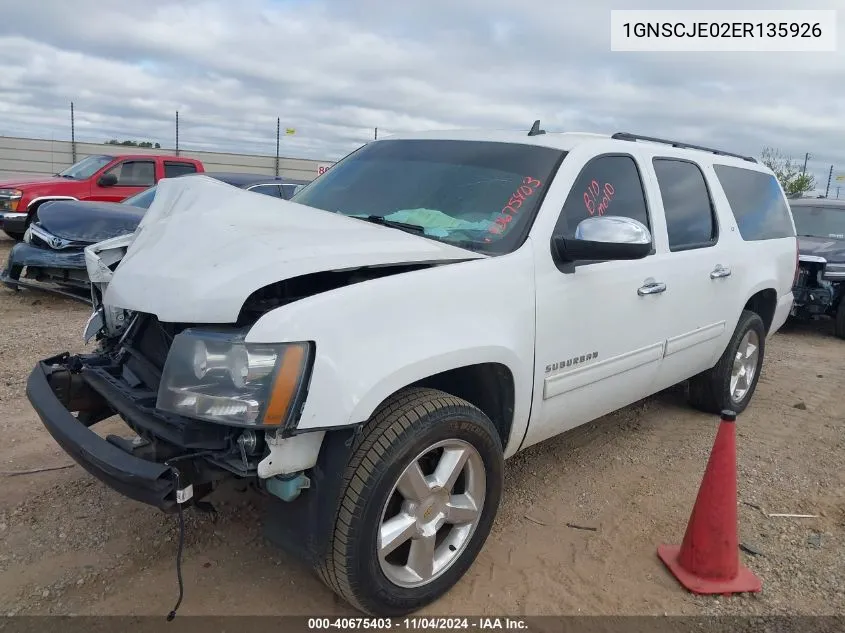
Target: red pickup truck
{"x":101,"y":177}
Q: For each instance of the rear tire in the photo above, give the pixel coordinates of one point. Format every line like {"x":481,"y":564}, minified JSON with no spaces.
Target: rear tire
{"x":417,"y":431}
{"x":839,"y":320}
{"x":731,"y":383}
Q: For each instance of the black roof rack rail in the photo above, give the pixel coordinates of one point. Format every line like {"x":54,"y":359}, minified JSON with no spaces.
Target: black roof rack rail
{"x":625,"y":136}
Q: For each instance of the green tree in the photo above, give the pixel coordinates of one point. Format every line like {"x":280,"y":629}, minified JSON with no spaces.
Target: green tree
{"x":149,"y":144}
{"x":787,"y":171}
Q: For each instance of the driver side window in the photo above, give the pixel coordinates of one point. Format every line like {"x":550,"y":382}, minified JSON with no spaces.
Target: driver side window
{"x":134,"y":173}
{"x":607,"y":185}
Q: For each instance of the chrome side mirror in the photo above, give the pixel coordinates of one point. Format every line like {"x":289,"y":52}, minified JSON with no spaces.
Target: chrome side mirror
{"x":603,"y":237}
{"x":614,"y":229}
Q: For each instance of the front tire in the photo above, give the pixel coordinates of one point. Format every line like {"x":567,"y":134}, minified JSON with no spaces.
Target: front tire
{"x":731,"y":383}
{"x":418,"y":501}
{"x":839,"y":320}
{"x":14,"y":235}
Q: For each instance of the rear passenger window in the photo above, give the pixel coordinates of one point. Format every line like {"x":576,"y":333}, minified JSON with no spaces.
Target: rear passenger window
{"x":690,"y":220}
{"x":172,"y":170}
{"x":757,"y":203}
{"x":267,"y":190}
{"x":608,"y":185}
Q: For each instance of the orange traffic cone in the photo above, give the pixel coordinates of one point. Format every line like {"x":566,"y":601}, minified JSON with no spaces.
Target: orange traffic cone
{"x":707,"y":562}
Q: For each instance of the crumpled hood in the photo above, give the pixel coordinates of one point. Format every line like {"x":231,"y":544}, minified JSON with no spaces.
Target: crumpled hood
{"x":203,"y":247}
{"x":832,"y":249}
{"x":88,"y":222}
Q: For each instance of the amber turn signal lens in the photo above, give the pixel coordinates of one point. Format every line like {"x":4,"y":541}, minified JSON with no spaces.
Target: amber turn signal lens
{"x":286,"y":384}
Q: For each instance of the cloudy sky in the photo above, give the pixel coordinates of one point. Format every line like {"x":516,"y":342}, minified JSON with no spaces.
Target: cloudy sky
{"x":336,"y":69}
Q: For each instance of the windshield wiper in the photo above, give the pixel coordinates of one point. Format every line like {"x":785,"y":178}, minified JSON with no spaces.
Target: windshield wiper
{"x":469,"y":245}
{"x":378,"y":219}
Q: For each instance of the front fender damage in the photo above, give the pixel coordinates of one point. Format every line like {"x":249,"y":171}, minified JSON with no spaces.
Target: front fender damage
{"x":101,"y":259}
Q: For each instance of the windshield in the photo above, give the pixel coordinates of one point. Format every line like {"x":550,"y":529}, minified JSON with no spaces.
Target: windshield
{"x":143,"y":199}
{"x":819,"y":221}
{"x":86,"y":168}
{"x":478,"y":195}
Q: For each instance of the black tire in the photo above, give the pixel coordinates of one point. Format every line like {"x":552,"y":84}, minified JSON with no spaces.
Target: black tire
{"x":710,"y":391}
{"x":400,"y":429}
{"x":839,"y":320}
{"x":10,"y":276}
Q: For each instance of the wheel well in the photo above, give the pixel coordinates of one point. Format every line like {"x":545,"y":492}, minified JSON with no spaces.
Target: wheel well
{"x":764,"y":304}
{"x":32,"y":209}
{"x":489,"y":386}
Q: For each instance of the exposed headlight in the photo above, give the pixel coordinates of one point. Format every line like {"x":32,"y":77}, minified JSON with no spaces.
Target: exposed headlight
{"x":9,"y":199}
{"x":834,"y":272}
{"x":216,"y":376}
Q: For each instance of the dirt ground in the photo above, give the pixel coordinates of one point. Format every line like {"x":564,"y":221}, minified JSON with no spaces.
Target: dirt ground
{"x":72,"y":546}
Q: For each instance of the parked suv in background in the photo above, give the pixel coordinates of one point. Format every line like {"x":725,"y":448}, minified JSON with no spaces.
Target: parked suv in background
{"x":820,"y":285}
{"x":104,"y":178}
{"x":448,"y":300}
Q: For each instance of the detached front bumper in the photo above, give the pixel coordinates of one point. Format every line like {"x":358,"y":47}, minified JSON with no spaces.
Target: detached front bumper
{"x":139,"y":470}
{"x":138,"y":479}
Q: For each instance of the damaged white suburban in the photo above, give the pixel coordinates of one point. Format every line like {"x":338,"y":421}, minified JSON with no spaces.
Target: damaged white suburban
{"x":369,"y":353}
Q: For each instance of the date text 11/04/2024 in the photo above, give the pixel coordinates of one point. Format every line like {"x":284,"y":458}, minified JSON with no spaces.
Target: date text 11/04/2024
{"x":418,"y":623}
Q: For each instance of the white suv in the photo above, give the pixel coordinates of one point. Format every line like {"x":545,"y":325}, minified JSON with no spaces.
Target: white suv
{"x":372,"y":351}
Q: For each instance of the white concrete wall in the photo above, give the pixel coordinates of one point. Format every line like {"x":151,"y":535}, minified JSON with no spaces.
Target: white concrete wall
{"x":28,"y":157}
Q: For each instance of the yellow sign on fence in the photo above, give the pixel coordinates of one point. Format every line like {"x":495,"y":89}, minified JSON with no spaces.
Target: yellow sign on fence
{"x":290,"y":131}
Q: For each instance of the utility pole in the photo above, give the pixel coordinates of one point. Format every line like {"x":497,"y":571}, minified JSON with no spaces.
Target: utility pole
{"x":806,"y":158}
{"x":837,"y":193}
{"x":376,"y":136}
{"x":177,"y":132}
{"x":278,"y":134}
{"x":72,"y":134}
{"x":829,"y":177}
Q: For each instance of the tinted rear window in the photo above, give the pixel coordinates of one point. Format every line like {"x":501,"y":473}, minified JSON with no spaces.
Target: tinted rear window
{"x":267,"y":190}
{"x":142,"y":200}
{"x":480,"y":195}
{"x":288,"y":191}
{"x":173,"y":170}
{"x":757,"y":203}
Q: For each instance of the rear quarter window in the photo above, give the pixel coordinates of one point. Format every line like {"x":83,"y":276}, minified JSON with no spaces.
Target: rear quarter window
{"x":176,"y":169}
{"x":757,"y":203}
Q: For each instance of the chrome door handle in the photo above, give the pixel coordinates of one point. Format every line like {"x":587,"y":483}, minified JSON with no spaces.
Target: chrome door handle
{"x":720,"y":271}
{"x":651,"y":288}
